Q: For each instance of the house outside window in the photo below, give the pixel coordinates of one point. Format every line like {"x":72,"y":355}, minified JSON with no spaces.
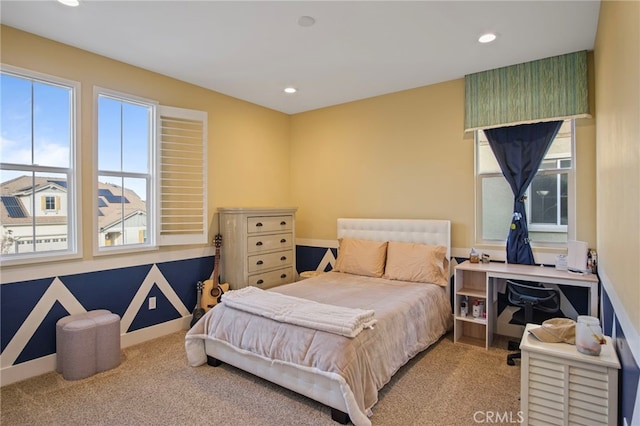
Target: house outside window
{"x":125,"y":181}
{"x":550,"y":199}
{"x":38,"y":167}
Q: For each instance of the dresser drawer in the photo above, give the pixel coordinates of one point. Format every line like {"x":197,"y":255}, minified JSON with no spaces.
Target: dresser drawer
{"x":261,"y":262}
{"x":272,"y":279}
{"x":258,"y":224}
{"x":262,"y":243}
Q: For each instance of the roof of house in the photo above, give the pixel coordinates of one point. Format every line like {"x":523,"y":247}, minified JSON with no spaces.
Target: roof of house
{"x":112,"y":201}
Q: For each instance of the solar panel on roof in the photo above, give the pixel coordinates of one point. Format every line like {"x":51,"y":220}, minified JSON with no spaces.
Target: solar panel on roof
{"x":108,"y":195}
{"x":100,"y":213}
{"x":14,"y":207}
{"x":101,"y":203}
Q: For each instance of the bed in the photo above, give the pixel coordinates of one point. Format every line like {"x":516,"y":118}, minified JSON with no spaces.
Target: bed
{"x":345,"y":373}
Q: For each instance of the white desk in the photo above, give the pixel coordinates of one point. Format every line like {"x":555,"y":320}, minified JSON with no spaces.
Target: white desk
{"x":478,"y":281}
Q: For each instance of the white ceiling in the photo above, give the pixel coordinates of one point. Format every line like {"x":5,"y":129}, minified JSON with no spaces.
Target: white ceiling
{"x":355,"y":50}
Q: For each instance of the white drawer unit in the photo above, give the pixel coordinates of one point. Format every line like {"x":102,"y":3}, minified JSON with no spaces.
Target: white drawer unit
{"x":258,"y":246}
{"x":561,"y":386}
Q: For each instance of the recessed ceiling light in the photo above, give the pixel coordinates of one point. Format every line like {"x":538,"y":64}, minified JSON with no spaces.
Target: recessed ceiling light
{"x":72,"y":3}
{"x":487,"y":38}
{"x":306,"y":21}
{"x":290,"y":90}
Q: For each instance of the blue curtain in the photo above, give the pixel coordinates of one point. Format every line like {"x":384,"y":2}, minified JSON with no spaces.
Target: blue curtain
{"x":519,"y":151}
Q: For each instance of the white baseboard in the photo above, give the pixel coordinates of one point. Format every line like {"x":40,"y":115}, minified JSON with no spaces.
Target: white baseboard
{"x":46,"y":364}
{"x":155,"y":331}
{"x":28,"y":369}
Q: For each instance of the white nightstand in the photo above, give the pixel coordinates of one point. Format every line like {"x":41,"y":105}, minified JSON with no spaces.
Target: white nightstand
{"x":561,"y":386}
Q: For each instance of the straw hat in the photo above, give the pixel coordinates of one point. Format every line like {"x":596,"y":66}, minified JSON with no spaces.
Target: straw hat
{"x":556,"y":330}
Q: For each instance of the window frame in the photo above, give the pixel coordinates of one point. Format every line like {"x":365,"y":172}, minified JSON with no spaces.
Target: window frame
{"x":150,"y":242}
{"x":73,"y":172}
{"x":571,"y":200}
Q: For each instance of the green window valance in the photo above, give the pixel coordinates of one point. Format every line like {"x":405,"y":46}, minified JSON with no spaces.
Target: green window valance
{"x":548,"y":89}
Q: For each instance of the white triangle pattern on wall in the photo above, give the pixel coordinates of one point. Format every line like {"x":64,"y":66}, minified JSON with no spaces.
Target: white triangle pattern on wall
{"x":58,"y":292}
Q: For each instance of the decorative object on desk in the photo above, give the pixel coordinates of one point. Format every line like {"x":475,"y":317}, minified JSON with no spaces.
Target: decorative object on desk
{"x":485,"y":258}
{"x":589,"y":338}
{"x":577,"y":256}
{"x":474,"y":256}
{"x":561,"y":262}
{"x":592,"y":261}
{"x":556,"y":330}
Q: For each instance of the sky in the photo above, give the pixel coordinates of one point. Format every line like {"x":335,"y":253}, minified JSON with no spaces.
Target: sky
{"x":35,"y":129}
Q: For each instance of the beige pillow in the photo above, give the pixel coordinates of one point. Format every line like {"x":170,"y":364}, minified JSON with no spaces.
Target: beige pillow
{"x":361,"y":257}
{"x":417,"y":263}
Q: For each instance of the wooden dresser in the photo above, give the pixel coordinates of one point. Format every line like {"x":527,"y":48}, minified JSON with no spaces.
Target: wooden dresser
{"x":258,"y":246}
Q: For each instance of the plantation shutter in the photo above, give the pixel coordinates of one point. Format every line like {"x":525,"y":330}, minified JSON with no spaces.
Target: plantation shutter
{"x":182,"y":176}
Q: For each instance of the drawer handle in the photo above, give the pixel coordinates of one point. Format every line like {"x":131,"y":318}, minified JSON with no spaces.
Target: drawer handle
{"x":283,"y":240}
{"x":259,"y":243}
{"x":260,"y":282}
{"x":283,"y":223}
{"x":259,"y":262}
{"x":283,"y":258}
{"x":283,"y":276}
{"x":259,"y":224}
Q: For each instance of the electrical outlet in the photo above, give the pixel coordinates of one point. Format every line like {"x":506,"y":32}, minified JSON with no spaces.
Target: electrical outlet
{"x":152,"y":302}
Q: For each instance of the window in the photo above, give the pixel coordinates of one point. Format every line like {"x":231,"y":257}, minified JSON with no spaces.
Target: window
{"x":49,"y":202}
{"x":549,"y":198}
{"x":151,"y":182}
{"x":38,"y":167}
{"x":125,"y":169}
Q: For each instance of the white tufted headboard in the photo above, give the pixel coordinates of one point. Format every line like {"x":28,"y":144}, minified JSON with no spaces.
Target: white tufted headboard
{"x":424,"y":231}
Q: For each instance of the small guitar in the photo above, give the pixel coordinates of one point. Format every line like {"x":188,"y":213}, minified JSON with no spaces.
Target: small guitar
{"x":213,"y":290}
{"x":198,"y":311}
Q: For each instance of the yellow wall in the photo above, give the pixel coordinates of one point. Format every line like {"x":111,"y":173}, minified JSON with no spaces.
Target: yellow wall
{"x":248,"y":146}
{"x":617,"y":63}
{"x":404,"y":155}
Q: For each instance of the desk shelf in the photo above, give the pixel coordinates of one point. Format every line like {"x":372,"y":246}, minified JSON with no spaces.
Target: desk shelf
{"x":472,"y":286}
{"x":479,"y":281}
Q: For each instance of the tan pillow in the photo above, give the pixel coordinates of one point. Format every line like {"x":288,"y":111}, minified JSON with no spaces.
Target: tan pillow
{"x":417,"y":263}
{"x":361,"y":257}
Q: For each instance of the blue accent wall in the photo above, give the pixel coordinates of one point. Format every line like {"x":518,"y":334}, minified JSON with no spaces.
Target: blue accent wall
{"x":173,"y":284}
{"x":630,"y":374}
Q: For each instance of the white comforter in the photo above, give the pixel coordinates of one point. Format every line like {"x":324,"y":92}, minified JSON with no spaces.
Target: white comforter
{"x":411,"y":316}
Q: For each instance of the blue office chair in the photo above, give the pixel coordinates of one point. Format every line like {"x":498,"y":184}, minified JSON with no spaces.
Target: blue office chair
{"x":537,"y":304}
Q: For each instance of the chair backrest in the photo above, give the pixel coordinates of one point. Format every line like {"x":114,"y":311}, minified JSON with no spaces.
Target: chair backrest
{"x":540,"y":298}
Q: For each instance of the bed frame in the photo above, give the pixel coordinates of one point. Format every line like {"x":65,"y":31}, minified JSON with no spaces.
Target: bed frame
{"x":323,"y":388}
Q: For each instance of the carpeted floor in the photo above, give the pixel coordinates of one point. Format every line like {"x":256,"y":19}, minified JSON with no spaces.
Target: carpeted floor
{"x":448,"y":384}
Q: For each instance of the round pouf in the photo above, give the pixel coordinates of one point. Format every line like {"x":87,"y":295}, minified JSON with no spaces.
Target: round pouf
{"x":78,"y":349}
{"x":107,"y":341}
{"x":66,"y":320}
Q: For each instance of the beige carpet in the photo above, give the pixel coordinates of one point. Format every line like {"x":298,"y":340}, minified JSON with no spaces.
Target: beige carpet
{"x":449,"y":384}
